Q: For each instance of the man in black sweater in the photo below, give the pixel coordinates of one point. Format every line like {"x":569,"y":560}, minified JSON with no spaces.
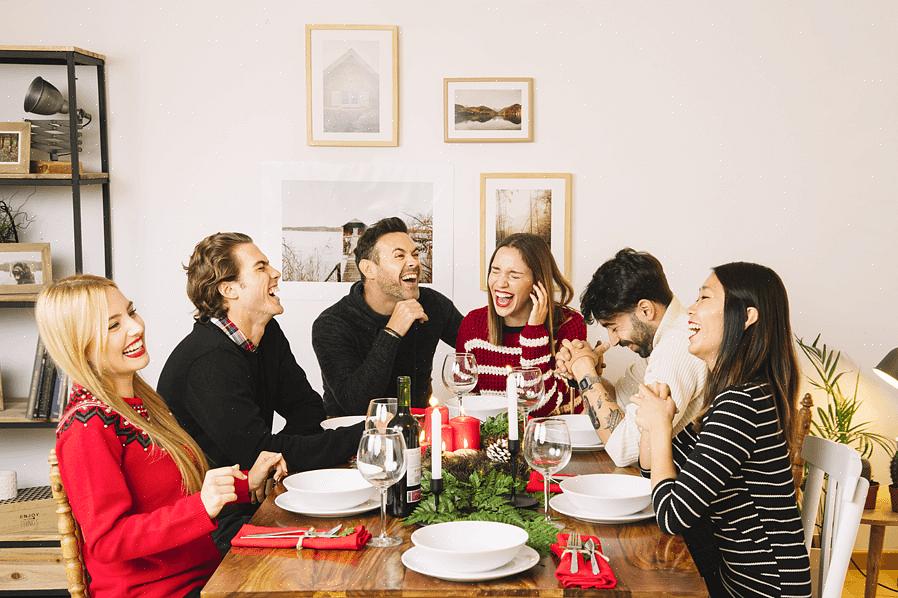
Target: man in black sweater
{"x":385,"y":327}
{"x":226,"y":379}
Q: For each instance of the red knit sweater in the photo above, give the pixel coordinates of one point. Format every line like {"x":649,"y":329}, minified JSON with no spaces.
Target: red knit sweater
{"x":527,"y":347}
{"x":143,"y":534}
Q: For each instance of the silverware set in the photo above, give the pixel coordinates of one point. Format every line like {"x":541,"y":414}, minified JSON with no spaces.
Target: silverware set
{"x":576,"y":546}
{"x":300,"y":535}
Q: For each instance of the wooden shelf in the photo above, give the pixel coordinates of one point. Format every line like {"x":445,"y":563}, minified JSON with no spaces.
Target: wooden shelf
{"x":13,"y":415}
{"x":52,"y":49}
{"x":20,"y":300}
{"x":87,"y":178}
{"x":24,"y":569}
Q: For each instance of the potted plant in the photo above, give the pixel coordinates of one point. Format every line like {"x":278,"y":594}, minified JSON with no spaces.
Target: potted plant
{"x":893,"y":488}
{"x":836,"y":421}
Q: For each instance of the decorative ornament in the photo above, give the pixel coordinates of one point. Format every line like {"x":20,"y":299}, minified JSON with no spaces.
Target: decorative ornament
{"x":498,"y":452}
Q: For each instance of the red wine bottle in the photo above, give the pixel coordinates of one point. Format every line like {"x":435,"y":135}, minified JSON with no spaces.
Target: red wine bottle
{"x":405,"y":494}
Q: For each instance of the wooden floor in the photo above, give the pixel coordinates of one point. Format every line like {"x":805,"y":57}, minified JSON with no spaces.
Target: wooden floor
{"x":854,"y":583}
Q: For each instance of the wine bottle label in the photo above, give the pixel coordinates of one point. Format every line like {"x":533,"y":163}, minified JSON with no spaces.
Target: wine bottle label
{"x":413,"y":495}
{"x":413,"y":471}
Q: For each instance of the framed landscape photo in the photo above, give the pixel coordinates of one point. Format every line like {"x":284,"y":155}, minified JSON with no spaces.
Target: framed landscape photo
{"x":352,"y":85}
{"x":496,"y":109}
{"x":538,"y":203}
{"x":24,"y":268}
{"x":15,"y":147}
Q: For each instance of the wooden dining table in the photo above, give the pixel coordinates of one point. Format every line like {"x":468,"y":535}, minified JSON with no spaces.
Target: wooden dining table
{"x":646,"y":561}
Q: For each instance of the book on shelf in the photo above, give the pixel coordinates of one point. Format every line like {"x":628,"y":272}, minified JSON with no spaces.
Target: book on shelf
{"x":60,"y":395}
{"x":36,"y":371}
{"x":45,"y":398}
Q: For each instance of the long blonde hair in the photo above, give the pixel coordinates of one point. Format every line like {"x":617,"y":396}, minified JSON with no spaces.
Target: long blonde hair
{"x":72,"y":317}
{"x":539,"y":259}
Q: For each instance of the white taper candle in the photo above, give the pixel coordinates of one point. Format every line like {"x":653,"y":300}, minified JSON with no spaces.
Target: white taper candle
{"x":511,"y":393}
{"x":436,"y":445}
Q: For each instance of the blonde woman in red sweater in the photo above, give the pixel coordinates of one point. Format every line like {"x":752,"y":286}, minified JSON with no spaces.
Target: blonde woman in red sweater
{"x":137,"y":482}
{"x":523,"y":324}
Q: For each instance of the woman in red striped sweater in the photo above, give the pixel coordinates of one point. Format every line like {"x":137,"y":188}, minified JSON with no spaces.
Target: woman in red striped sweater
{"x":137,"y":482}
{"x":523,"y":324}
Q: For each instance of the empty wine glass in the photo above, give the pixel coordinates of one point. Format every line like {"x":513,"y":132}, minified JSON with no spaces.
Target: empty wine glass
{"x":547,"y":449}
{"x":531,"y":389}
{"x":460,"y":373}
{"x":380,"y":413}
{"x":381,"y":461}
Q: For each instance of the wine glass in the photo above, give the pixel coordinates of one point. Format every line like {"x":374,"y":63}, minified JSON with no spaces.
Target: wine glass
{"x":381,"y":461}
{"x":380,"y":413}
{"x":531,"y":389}
{"x":460,"y":374}
{"x":547,"y":449}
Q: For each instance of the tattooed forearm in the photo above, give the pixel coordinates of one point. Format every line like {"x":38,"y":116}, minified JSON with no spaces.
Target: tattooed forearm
{"x":612,"y":419}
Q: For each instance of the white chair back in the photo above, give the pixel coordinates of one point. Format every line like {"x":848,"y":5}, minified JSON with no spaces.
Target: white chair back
{"x":843,"y":506}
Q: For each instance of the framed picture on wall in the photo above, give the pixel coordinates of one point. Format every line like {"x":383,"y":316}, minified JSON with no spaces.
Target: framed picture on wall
{"x":24,"y":267}
{"x":352,"y":85}
{"x":538,"y":203}
{"x":15,"y":147}
{"x":497,"y":109}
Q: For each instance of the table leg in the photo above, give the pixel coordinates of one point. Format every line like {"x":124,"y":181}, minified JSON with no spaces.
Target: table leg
{"x":874,"y":556}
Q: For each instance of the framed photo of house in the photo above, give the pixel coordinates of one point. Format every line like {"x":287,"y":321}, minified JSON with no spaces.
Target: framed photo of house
{"x":15,"y":147}
{"x":533,"y":202}
{"x":352,"y":85}
{"x":24,"y":268}
{"x":478,"y":110}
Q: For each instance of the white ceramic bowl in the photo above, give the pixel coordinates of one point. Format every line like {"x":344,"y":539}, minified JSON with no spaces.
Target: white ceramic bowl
{"x":608,"y":494}
{"x":580,"y":428}
{"x":469,"y":546}
{"x":342,"y":422}
{"x":483,"y":407}
{"x":333,"y":489}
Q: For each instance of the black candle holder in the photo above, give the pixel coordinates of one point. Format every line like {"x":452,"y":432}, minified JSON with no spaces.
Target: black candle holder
{"x":521,"y":501}
{"x":436,"y":486}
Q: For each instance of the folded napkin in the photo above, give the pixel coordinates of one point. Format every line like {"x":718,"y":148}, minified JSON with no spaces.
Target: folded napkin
{"x":418,"y":410}
{"x":354,"y":541}
{"x":536,"y":482}
{"x":584,"y":577}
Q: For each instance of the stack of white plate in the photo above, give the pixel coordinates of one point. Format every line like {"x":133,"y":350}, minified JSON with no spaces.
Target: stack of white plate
{"x":605,"y":498}
{"x":484,"y":407}
{"x":328,"y":493}
{"x":583,"y":435}
{"x":469,"y":551}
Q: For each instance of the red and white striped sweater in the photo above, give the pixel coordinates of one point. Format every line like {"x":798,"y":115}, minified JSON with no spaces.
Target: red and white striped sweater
{"x":521,"y":347}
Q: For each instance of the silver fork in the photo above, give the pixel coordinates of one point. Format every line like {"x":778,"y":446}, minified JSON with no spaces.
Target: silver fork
{"x":574,"y":546}
{"x":296,"y":533}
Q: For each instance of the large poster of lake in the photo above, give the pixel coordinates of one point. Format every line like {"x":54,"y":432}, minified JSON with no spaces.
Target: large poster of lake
{"x":488,"y":110}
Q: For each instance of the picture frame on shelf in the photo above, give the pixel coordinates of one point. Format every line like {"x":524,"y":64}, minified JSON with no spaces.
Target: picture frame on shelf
{"x":352,"y":85}
{"x":533,"y":202}
{"x":487,"y":109}
{"x":15,"y":147}
{"x":25,"y":268}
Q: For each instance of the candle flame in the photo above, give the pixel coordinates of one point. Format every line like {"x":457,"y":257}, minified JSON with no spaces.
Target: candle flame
{"x":465,"y":440}
{"x":444,"y":446}
{"x":421,"y":437}
{"x":433,"y":401}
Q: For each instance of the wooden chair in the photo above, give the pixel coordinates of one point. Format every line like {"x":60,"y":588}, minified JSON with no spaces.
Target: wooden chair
{"x":800,"y":429}
{"x":69,"y":532}
{"x":843,"y":506}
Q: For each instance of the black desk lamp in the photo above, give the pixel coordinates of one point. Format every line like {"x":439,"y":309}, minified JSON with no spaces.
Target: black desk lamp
{"x":888,"y":368}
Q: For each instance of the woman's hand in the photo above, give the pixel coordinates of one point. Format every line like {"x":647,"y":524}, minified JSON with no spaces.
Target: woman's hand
{"x":540,"y":309}
{"x":218,"y":488}
{"x":576,"y":358}
{"x":656,"y":408}
{"x":265,"y":463}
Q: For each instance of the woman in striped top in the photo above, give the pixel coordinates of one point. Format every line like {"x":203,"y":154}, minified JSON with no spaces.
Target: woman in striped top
{"x":523,"y":323}
{"x":725,"y":482}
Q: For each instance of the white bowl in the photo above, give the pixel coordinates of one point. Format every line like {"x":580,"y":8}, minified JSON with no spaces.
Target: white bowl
{"x":608,"y":494}
{"x":580,"y":428}
{"x":468,"y":546}
{"x":333,"y":489}
{"x":342,"y":422}
{"x":483,"y":407}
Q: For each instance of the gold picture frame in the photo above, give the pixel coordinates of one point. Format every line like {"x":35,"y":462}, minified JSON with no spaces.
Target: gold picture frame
{"x":24,"y":268}
{"x":488,"y":107}
{"x":346,"y":68}
{"x":550,"y":197}
{"x":15,"y":142}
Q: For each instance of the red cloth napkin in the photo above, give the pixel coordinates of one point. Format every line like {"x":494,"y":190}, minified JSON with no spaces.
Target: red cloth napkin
{"x":418,"y":410}
{"x":584,"y":577}
{"x":354,"y":541}
{"x":536,"y":482}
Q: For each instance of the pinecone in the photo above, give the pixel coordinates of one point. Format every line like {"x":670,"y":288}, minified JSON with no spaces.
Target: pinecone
{"x":498,"y":451}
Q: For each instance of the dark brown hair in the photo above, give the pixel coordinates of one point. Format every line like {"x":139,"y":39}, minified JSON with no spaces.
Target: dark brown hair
{"x":212,"y":263}
{"x":539,"y":259}
{"x":364,"y":250}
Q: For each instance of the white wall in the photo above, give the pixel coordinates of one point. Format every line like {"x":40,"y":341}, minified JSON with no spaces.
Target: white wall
{"x":703,"y":132}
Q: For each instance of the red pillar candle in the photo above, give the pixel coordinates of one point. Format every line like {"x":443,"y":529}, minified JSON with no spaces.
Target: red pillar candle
{"x":465,"y":432}
{"x":428,"y":413}
{"x":448,"y":442}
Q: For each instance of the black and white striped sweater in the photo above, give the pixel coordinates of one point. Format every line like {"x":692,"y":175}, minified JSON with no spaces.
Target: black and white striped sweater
{"x":736,"y":472}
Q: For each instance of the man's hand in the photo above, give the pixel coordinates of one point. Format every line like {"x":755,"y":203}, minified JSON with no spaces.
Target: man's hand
{"x":655,"y":412}
{"x":577,"y":359}
{"x":405,"y":314}
{"x":266,"y":463}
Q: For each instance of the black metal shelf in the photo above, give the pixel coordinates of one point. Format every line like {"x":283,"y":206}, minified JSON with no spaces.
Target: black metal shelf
{"x":54,"y":180}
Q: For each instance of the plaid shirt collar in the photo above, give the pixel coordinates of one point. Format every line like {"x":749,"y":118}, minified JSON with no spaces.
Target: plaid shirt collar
{"x":229,"y":328}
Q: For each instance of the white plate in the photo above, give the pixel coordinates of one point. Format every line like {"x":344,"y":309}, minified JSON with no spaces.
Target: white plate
{"x":288,"y":502}
{"x":586,"y":448}
{"x":525,"y":559}
{"x":342,"y":422}
{"x":562,"y":504}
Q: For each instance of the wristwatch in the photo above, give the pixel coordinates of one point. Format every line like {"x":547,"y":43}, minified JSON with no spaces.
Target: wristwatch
{"x":587,"y":382}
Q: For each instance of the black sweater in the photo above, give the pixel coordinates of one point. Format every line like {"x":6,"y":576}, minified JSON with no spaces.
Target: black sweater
{"x":360,"y":361}
{"x":225,"y":398}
